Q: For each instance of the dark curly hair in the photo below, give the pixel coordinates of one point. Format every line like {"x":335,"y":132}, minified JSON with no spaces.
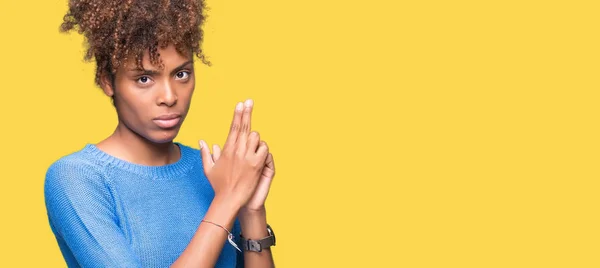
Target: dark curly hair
{"x":116,"y":30}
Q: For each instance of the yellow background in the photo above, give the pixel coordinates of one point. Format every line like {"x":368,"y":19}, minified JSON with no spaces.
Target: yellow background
{"x":405,"y":133}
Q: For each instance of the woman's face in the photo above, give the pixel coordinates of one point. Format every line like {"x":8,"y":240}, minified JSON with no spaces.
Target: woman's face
{"x":153,"y":102}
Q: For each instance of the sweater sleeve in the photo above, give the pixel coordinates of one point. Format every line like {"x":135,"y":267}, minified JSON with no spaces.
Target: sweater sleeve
{"x":82,"y":214}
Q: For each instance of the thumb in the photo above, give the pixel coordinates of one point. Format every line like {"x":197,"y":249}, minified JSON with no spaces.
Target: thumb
{"x":207,"y":161}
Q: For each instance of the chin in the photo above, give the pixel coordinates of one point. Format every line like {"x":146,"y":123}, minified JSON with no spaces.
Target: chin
{"x":163,"y":136}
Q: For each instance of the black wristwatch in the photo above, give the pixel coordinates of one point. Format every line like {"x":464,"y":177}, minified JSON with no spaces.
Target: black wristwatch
{"x":259,"y":245}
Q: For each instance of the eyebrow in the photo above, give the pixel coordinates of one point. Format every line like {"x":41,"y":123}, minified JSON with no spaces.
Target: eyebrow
{"x":155,"y":72}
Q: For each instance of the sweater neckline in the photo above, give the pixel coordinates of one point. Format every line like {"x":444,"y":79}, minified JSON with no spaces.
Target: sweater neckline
{"x":173,"y":170}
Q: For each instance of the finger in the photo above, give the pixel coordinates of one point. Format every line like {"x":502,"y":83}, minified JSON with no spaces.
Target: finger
{"x":216,"y":152}
{"x":207,"y":161}
{"x":235,"y":126}
{"x":263,"y":187}
{"x":245,"y":125}
{"x":262,"y":151}
{"x":270,"y":163}
{"x":253,"y":140}
{"x":266,"y":179}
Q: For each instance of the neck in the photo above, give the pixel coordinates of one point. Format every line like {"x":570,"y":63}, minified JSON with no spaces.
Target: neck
{"x":129,"y":146}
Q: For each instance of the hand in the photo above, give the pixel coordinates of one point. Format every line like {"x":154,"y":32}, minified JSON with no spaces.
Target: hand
{"x":257,"y":201}
{"x":235,"y":172}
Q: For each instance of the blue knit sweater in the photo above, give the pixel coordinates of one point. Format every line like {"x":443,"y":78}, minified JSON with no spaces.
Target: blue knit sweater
{"x":107,"y":212}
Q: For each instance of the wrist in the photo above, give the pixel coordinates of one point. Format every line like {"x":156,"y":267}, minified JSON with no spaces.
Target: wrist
{"x":228,"y":202}
{"x":252,"y":212}
{"x":252,"y":217}
{"x":223,"y":210}
{"x":253,"y":223}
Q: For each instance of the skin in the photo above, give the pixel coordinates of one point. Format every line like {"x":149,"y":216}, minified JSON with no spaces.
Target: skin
{"x":240,"y":174}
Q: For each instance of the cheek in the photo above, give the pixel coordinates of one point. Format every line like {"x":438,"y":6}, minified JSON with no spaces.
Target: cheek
{"x":186,"y":94}
{"x":134,"y":108}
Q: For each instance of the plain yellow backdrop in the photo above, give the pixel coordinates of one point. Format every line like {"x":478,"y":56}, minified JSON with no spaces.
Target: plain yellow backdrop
{"x":405,"y":133}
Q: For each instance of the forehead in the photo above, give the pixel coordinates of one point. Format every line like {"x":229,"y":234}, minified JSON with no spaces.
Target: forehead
{"x":169,"y":56}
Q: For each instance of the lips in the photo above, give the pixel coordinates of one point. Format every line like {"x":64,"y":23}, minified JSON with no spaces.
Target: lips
{"x":167,"y":120}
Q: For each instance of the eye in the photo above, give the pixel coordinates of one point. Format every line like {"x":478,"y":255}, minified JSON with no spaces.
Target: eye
{"x":182,"y":75}
{"x":144,"y":80}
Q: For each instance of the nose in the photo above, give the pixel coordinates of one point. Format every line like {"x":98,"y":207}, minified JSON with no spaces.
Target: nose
{"x":166,"y":95}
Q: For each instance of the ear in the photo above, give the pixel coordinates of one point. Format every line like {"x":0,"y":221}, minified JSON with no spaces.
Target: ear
{"x":106,"y":82}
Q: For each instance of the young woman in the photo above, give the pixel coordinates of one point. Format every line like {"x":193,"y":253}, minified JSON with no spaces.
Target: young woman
{"x":136,"y":198}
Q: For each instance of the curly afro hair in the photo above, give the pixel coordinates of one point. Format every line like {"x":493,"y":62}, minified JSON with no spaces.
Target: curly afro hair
{"x":116,"y":30}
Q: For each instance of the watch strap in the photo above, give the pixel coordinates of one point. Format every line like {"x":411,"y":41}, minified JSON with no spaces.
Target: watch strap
{"x":260,"y":244}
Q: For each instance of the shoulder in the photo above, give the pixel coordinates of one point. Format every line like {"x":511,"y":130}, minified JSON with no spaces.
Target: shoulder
{"x":188,"y":149}
{"x":75,"y":172}
{"x":190,"y":152}
{"x":192,"y":158}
